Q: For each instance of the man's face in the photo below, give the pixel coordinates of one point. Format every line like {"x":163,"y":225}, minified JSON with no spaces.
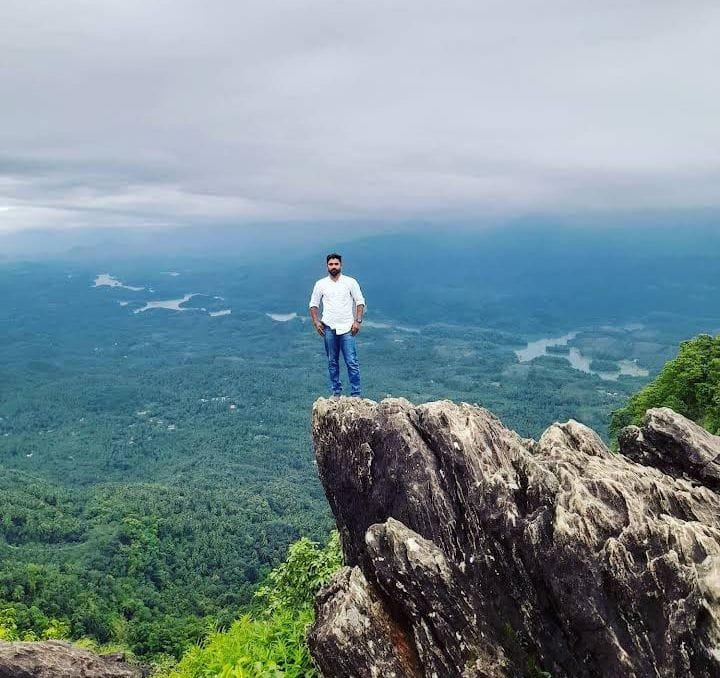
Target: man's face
{"x":334,"y":267}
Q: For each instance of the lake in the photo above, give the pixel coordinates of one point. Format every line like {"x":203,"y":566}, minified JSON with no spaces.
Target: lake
{"x":577,"y":360}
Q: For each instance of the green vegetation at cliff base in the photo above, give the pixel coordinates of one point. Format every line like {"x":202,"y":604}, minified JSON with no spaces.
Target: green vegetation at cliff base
{"x":688,"y":384}
{"x":270,"y":641}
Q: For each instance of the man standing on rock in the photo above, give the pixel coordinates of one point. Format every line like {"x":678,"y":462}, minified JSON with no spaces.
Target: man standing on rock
{"x":343,"y":308}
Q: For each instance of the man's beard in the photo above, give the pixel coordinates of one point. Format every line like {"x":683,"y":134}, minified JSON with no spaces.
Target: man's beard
{"x":334,"y":273}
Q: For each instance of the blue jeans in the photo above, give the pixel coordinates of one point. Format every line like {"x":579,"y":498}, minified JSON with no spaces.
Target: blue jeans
{"x":334,"y":343}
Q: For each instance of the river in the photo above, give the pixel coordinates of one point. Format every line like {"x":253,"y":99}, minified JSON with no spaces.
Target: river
{"x":577,"y":360}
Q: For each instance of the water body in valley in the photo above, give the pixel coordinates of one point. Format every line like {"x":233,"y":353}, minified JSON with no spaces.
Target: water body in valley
{"x":535,"y":349}
{"x":577,"y":360}
{"x":169,"y":304}
{"x":107,"y":280}
{"x":282,"y":317}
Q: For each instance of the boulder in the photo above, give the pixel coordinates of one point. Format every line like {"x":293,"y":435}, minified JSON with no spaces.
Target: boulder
{"x":58,"y":659}
{"x":674,"y":444}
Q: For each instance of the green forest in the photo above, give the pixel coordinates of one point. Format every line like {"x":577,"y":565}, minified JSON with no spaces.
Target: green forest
{"x":156,"y":464}
{"x":688,"y":384}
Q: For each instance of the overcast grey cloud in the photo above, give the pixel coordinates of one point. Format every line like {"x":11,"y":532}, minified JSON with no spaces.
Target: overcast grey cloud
{"x":131,"y":113}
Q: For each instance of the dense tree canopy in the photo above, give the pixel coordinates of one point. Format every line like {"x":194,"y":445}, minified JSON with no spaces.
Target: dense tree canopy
{"x":689,"y":384}
{"x":270,"y":642}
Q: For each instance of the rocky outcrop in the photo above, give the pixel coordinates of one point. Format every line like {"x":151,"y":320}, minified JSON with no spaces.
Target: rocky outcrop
{"x":57,"y":659}
{"x":474,"y":552}
{"x":358,"y":631}
{"x":675,"y":445}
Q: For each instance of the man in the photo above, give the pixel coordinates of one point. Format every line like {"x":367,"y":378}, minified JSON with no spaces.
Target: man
{"x":340,"y":321}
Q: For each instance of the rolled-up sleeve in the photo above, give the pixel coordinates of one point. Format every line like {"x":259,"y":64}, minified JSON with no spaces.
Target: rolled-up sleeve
{"x":316,"y":296}
{"x":357,"y":294}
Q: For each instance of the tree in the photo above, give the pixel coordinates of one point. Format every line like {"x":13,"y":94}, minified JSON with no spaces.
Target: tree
{"x":688,"y":384}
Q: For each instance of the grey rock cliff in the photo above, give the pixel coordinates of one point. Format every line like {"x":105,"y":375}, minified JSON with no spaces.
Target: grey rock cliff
{"x":675,"y":445}
{"x":57,"y":659}
{"x":474,"y":552}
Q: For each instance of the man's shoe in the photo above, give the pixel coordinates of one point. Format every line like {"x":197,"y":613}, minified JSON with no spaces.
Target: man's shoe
{"x":336,"y":396}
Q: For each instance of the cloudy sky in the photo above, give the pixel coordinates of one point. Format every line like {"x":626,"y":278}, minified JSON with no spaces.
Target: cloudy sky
{"x":158,"y":112}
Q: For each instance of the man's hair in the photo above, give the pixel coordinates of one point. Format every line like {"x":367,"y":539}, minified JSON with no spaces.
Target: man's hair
{"x":334,"y":255}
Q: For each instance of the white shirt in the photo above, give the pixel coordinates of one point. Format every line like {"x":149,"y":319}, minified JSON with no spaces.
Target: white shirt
{"x":339,"y":297}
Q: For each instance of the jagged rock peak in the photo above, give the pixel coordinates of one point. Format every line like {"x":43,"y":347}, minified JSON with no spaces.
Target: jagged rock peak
{"x":474,"y":552}
{"x":58,"y":659}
